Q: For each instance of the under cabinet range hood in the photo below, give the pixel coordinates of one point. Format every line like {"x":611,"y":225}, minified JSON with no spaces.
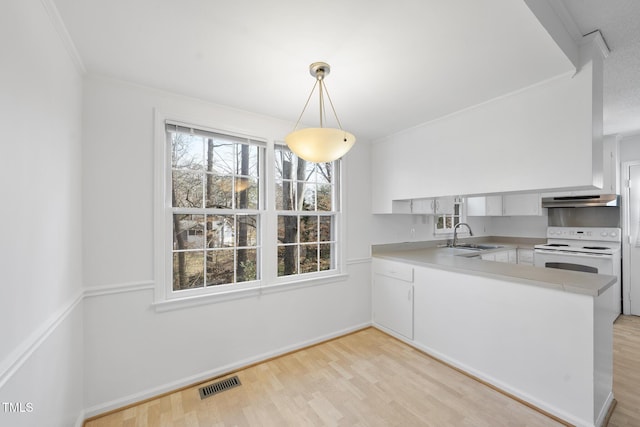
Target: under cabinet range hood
{"x":581,"y":201}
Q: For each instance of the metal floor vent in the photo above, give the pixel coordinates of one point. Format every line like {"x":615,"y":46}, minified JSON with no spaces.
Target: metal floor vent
{"x":219,"y":386}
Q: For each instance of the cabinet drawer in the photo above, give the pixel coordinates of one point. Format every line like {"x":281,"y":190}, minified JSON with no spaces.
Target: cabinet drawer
{"x":396,"y":270}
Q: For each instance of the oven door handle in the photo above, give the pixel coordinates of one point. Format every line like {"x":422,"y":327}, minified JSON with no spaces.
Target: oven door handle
{"x":574,"y":254}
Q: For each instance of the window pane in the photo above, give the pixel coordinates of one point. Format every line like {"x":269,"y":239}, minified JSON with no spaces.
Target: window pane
{"x":326,"y":228}
{"x":220,"y":230}
{"x":308,"y":258}
{"x":188,"y":270}
{"x":286,"y":196}
{"x":186,"y":189}
{"x":219,"y":191}
{"x":325,"y":197}
{"x":188,"y":232}
{"x":287,"y":260}
{"x":219,"y":156}
{"x":448,"y":222}
{"x":309,"y":201}
{"x":324,"y":173}
{"x":287,"y":229}
{"x":327,"y":257}
{"x":285,"y":163}
{"x":186,"y":151}
{"x":219,"y":267}
{"x":247,"y":160}
{"x":308,"y":228}
{"x":247,"y":265}
{"x":246,"y":193}
{"x":247,"y":230}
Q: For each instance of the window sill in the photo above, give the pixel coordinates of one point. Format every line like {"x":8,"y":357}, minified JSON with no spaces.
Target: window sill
{"x":196,"y":300}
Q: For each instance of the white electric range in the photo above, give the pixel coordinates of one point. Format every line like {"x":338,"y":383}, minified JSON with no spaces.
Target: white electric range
{"x":587,"y":249}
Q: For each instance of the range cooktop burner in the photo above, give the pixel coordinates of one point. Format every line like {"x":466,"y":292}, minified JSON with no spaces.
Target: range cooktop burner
{"x":600,"y":248}
{"x":556,"y":245}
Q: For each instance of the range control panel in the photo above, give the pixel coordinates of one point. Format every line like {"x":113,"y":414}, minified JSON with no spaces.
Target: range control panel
{"x":604,"y":234}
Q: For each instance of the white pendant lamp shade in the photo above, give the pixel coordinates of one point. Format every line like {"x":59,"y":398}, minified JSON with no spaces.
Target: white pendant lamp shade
{"x":320,"y":145}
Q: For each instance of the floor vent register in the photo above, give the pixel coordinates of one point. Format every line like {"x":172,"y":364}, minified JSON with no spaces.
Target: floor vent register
{"x":219,"y":387}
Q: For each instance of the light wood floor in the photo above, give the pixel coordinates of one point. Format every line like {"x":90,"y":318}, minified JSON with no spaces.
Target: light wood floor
{"x":626,"y":372}
{"x":370,"y":379}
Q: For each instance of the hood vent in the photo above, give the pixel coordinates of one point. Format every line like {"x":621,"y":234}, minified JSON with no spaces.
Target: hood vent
{"x":581,"y":201}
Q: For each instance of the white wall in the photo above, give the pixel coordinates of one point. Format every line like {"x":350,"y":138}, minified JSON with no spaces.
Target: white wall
{"x":630,"y":148}
{"x":41,"y":257}
{"x":399,"y":228}
{"x":132,"y":351}
{"x":518,"y":226}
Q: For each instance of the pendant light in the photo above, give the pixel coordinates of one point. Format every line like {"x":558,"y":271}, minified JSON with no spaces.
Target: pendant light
{"x":321,"y":144}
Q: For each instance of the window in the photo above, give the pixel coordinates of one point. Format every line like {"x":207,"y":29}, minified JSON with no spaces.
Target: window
{"x":306,"y":214}
{"x":223,"y":230}
{"x":215,"y":207}
{"x":445,"y":223}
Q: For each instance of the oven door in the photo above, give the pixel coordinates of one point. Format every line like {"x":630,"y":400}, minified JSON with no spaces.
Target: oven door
{"x":575,"y":261}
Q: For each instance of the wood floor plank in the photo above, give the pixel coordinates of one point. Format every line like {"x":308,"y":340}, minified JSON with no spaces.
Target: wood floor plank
{"x":370,"y":379}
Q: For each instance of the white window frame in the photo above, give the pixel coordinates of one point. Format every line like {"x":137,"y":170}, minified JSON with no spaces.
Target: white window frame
{"x":336,"y":213}
{"x":462,"y":209}
{"x":164,"y":297}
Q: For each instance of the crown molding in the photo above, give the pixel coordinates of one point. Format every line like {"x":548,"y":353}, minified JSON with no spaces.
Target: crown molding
{"x":65,"y":37}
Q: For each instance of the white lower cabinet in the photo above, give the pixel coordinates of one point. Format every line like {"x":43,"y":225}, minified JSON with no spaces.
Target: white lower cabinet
{"x":510,"y":256}
{"x":393,"y":296}
{"x":525,"y":256}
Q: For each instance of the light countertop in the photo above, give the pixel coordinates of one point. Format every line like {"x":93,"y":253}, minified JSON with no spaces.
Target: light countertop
{"x":461,"y":261}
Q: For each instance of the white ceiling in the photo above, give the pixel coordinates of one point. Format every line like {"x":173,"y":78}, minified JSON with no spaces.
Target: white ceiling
{"x":619,"y":23}
{"x":395,"y":64}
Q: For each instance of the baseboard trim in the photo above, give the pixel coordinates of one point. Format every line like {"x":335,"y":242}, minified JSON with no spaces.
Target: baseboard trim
{"x":555,"y":414}
{"x":98,"y":411}
{"x":21,"y":354}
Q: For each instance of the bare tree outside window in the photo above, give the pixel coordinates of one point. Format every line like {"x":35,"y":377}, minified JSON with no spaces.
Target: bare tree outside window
{"x":305,"y":200}
{"x":215,"y":200}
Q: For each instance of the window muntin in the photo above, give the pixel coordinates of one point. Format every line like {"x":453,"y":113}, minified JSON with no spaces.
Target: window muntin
{"x":215,"y":207}
{"x":445,"y":223}
{"x":306,"y":207}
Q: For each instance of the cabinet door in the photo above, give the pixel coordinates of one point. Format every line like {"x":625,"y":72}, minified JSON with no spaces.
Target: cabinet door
{"x":422,"y":206}
{"x":484,"y":206}
{"x":488,"y":257}
{"x":401,"y":206}
{"x":494,"y":205}
{"x":393,"y":304}
{"x":393,"y":296}
{"x":525,"y":256}
{"x":521,"y":204}
{"x":445,"y":205}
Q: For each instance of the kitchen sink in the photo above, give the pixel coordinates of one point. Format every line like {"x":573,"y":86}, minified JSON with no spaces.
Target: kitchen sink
{"x":476,"y":247}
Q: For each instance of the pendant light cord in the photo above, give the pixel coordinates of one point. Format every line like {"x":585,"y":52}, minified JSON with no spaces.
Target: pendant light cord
{"x":305,"y":105}
{"x":323,"y":89}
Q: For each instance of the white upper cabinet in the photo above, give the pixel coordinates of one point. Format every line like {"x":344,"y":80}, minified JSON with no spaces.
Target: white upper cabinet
{"x":484,"y":206}
{"x":522,"y":204}
{"x":425,"y":206}
{"x":507,"y":205}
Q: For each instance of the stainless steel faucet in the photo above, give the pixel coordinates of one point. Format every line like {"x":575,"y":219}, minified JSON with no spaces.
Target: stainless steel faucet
{"x":455,"y":232}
